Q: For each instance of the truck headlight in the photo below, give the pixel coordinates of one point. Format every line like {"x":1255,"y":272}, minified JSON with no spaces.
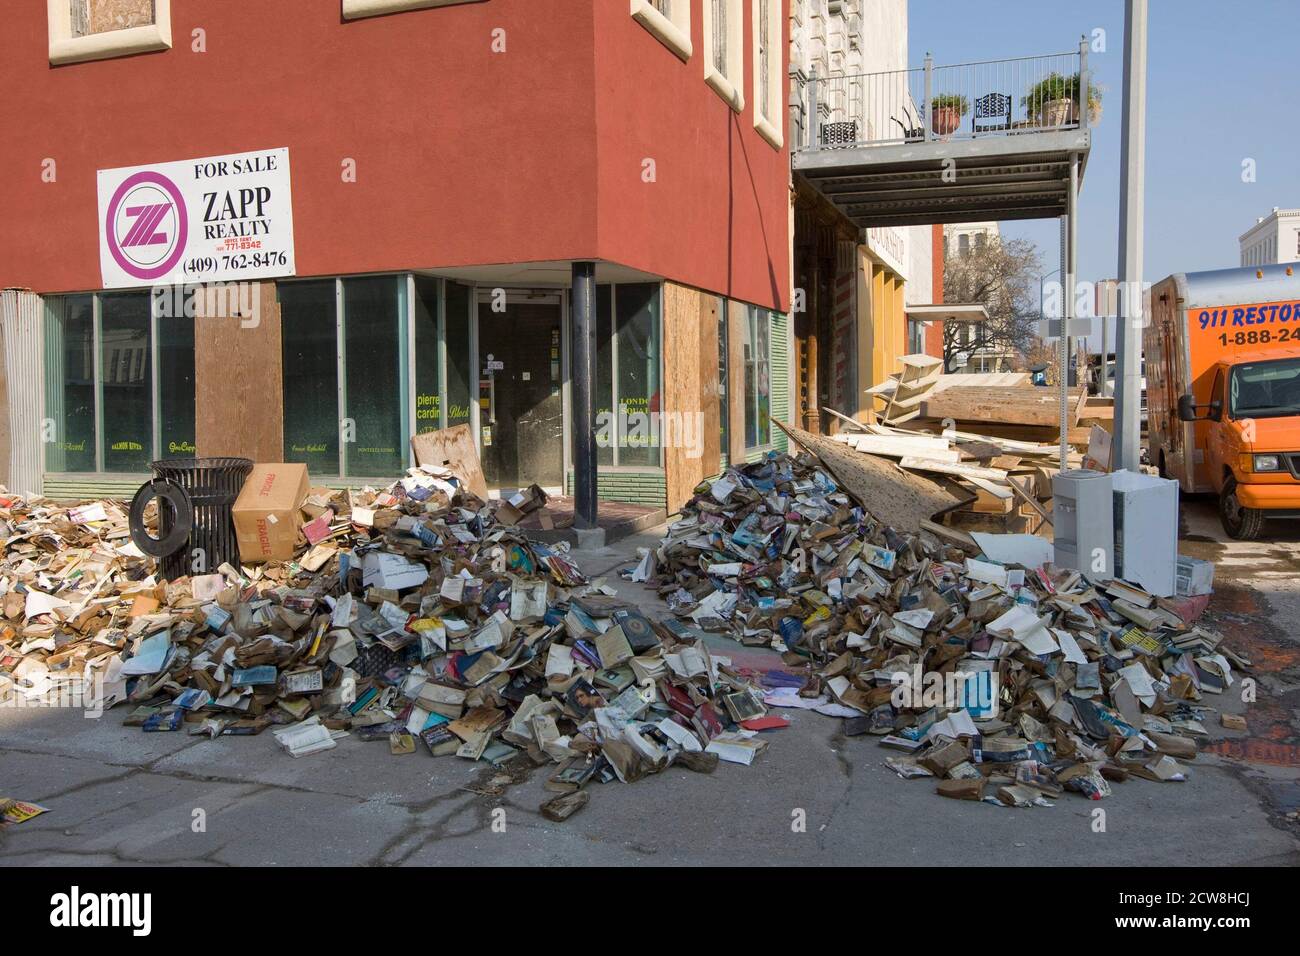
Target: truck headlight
{"x":1267,"y":463}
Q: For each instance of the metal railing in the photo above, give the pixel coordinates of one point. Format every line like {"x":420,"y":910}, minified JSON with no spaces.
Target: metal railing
{"x":1030,"y":94}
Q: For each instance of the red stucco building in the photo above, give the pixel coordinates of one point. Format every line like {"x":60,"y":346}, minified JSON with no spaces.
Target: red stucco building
{"x":439,"y":169}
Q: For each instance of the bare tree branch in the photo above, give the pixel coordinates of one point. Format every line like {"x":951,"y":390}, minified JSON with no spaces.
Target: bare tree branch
{"x":1001,"y":276}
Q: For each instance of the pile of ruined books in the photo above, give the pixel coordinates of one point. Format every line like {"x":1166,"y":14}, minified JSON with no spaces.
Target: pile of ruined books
{"x":412,"y":615}
{"x":969,"y":657}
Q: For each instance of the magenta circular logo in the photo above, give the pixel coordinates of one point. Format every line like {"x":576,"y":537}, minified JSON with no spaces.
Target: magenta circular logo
{"x":146,"y":225}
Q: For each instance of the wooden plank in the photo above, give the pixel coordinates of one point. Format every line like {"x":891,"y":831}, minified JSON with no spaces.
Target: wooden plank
{"x":453,"y":449}
{"x":979,"y":379}
{"x":852,"y":423}
{"x":892,"y":495}
{"x":994,"y":488}
{"x":1029,"y":500}
{"x":893,"y":447}
{"x":1011,"y":406}
{"x":238,"y":380}
{"x":914,"y":463}
{"x":954,"y":535}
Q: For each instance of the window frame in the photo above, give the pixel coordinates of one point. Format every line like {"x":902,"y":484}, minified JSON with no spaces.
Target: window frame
{"x":753,"y":316}
{"x":64,"y":48}
{"x":673,"y":31}
{"x":658,"y":305}
{"x":727,"y":85}
{"x":56,"y":310}
{"x":359,"y":9}
{"x":767,"y":115}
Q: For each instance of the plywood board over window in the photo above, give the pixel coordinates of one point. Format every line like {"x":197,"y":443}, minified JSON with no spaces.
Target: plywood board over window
{"x":691,"y":423}
{"x":104,"y":16}
{"x":237,"y":378}
{"x":82,"y":30}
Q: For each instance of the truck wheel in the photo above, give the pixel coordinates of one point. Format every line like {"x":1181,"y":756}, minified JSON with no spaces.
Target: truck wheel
{"x":1244,"y":524}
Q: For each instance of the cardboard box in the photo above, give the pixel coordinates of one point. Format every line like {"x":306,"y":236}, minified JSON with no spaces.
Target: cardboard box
{"x":267,"y":512}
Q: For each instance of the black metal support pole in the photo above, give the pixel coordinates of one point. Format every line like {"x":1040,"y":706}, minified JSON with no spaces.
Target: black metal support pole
{"x":583,"y":365}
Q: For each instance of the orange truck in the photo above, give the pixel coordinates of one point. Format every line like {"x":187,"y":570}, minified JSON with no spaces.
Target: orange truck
{"x":1222,"y":354}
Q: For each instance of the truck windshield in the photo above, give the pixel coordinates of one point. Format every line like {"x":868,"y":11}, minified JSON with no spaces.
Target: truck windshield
{"x":1265,"y":389}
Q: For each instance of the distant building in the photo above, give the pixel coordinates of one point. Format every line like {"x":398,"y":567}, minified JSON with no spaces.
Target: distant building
{"x":859,"y":283}
{"x":1274,"y":238}
{"x":962,"y":239}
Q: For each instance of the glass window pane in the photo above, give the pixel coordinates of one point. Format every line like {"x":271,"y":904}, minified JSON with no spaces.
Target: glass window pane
{"x":428,"y":399}
{"x":126,"y":370}
{"x":762,"y":352}
{"x":373,"y":321}
{"x":70,"y":383}
{"x":723,"y":411}
{"x":605,"y":374}
{"x":637,"y":337}
{"x":309,"y":347}
{"x":460,"y":369}
{"x":751,"y":383}
{"x":176,"y":385}
{"x":758,"y":423}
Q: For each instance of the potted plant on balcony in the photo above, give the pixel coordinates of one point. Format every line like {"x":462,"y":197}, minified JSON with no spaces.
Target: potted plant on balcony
{"x":946,"y":110}
{"x":1054,"y":101}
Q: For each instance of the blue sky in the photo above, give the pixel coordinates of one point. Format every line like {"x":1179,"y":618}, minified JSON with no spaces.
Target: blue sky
{"x":1221,"y":87}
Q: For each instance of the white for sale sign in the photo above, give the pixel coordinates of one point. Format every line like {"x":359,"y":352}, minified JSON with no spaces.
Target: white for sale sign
{"x":221,"y":218}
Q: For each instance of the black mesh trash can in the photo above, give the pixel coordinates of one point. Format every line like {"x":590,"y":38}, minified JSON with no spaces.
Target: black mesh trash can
{"x":202,"y":490}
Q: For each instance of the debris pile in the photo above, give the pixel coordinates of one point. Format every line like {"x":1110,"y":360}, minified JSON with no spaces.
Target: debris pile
{"x":970,"y":657}
{"x":418,"y":616}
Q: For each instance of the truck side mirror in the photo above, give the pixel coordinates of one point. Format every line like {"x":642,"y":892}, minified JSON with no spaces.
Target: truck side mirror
{"x":1187,"y":410}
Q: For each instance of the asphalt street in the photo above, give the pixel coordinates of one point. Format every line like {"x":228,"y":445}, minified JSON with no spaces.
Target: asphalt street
{"x":120,"y":796}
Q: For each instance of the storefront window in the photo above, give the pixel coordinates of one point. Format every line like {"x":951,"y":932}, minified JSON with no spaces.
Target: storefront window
{"x":176,"y":385}
{"x":605,"y":372}
{"x":637,"y":350}
{"x":460,"y":364}
{"x":428,"y":398}
{"x":126,"y":377}
{"x":723,"y":374}
{"x":70,"y":383}
{"x":374,"y":326}
{"x":758,"y":422}
{"x":310,"y":351}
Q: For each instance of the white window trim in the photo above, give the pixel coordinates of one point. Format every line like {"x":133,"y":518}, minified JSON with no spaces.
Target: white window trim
{"x":355,"y":9}
{"x":727,"y":86}
{"x":65,"y":48}
{"x":674,"y":33}
{"x":766,"y":115}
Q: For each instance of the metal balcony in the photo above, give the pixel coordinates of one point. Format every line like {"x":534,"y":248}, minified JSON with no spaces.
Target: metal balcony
{"x":962,"y":143}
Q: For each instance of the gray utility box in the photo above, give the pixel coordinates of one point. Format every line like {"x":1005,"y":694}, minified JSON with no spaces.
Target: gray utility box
{"x":1146,"y":531}
{"x":1083,"y":522}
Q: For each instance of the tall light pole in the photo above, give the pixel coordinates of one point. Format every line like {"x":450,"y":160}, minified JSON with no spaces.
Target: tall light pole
{"x":1129,"y":322}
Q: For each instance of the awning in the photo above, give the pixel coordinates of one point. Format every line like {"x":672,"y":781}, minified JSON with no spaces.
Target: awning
{"x":948,"y":312}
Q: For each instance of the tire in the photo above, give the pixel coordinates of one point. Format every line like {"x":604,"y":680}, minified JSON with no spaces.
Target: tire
{"x":1243,"y":524}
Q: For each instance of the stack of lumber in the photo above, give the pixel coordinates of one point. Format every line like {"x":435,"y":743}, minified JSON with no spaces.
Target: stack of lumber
{"x":1009,"y":481}
{"x":1019,"y":412}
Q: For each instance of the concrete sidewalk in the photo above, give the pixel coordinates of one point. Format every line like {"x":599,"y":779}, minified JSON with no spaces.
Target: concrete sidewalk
{"x":117,"y":795}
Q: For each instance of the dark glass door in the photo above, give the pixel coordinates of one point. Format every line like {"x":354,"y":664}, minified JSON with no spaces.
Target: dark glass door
{"x":521,"y":408}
